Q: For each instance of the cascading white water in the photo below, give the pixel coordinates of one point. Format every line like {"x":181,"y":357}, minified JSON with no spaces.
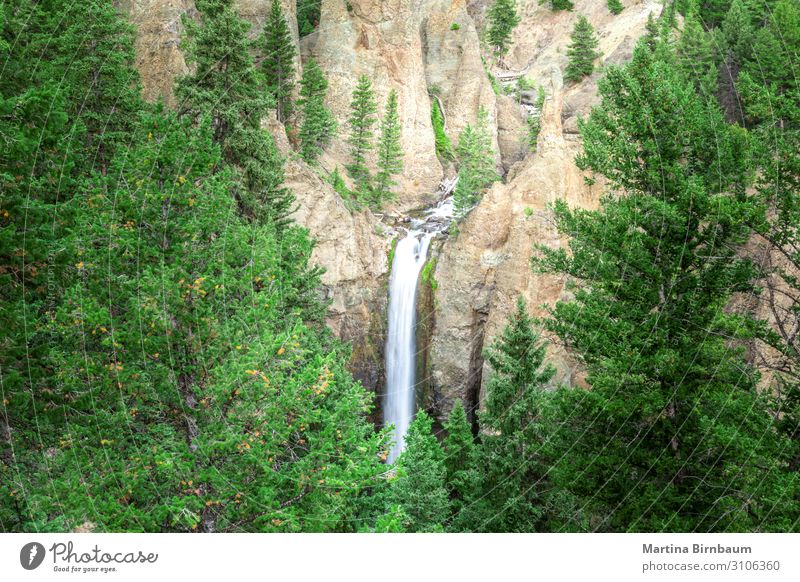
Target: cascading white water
{"x":401,"y":346}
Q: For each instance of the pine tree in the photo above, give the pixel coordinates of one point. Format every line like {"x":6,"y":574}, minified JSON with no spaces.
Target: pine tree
{"x":225,"y":85}
{"x":214,"y":417}
{"x":89,"y":48}
{"x":308,"y":14}
{"x":673,"y":433}
{"x":712,"y":12}
{"x":615,"y":6}
{"x":68,"y":97}
{"x":503,"y":18}
{"x":390,"y":152}
{"x":362,"y":118}
{"x":461,"y":462}
{"x":770,"y":93}
{"x":737,"y":33}
{"x":318,"y":124}
{"x":419,"y":486}
{"x":652,"y":33}
{"x":695,"y":56}
{"x":476,"y":169}
{"x":556,"y":5}
{"x":513,"y":471}
{"x":190,"y":404}
{"x":581,"y":51}
{"x":278,"y":61}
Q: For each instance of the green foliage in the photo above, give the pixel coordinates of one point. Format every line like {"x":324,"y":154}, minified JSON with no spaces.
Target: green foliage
{"x":337,"y":181}
{"x":737,"y":32}
{"x":492,"y":79}
{"x":390,"y":152}
{"x":503,"y":18}
{"x":394,"y":521}
{"x":615,"y":6}
{"x":534,"y":119}
{"x":392,"y":249}
{"x":696,"y":57}
{"x":770,"y":93}
{"x":427,"y":274}
{"x":308,"y":13}
{"x":362,"y":118}
{"x":444,"y":149}
{"x":318,"y":125}
{"x":173,"y":373}
{"x":461,"y":462}
{"x":512,"y":471}
{"x":652,"y":32}
{"x":418,"y":488}
{"x":455,"y":26}
{"x":226,"y":86}
{"x":476,"y":169}
{"x":66,"y":71}
{"x":673,"y":434}
{"x":582,"y":51}
{"x":277,"y":62}
{"x":556,"y":5}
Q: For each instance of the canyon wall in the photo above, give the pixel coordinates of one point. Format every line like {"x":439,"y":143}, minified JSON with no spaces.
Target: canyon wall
{"x":484,"y":268}
{"x":425,"y":50}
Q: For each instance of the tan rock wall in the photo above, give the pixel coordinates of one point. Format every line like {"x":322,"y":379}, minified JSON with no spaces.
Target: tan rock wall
{"x":486,"y":266}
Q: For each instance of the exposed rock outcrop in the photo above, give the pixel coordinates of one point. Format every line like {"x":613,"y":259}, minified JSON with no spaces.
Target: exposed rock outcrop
{"x":158,"y":35}
{"x":159,"y":29}
{"x":353,"y":255}
{"x":350,"y":246}
{"x":487,"y":265}
{"x":453,"y":67}
{"x":381,"y":39}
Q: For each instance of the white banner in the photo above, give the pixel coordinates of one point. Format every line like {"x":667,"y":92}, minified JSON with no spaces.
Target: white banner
{"x":399,"y":557}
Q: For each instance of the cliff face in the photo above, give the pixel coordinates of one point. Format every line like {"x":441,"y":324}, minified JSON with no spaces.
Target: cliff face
{"x":429,"y":49}
{"x":483,"y":269}
{"x":159,"y":29}
{"x":409,"y":46}
{"x":348,"y":248}
{"x":158,"y":34}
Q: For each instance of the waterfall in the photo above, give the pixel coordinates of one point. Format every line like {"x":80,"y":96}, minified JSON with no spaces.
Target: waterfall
{"x":401,"y":346}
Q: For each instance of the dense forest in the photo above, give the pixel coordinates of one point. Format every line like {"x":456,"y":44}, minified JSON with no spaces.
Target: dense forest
{"x":165,"y":363}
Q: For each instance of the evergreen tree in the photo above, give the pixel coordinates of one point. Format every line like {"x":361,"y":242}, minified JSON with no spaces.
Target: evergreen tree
{"x":362,"y":118}
{"x":278,"y":61}
{"x":770,"y":93}
{"x":225,"y":85}
{"x":712,"y":12}
{"x":512,"y":460}
{"x":230,"y":414}
{"x":176,"y":341}
{"x":318,"y":124}
{"x":476,"y":169}
{"x":673,"y":433}
{"x":68,"y":97}
{"x":615,"y":6}
{"x":652,"y":33}
{"x":461,"y":462}
{"x":695,"y":56}
{"x":308,"y":13}
{"x":419,"y":486}
{"x":390,"y":152}
{"x":559,"y":4}
{"x":581,"y":51}
{"x":503,"y":18}
{"x":737,"y":33}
